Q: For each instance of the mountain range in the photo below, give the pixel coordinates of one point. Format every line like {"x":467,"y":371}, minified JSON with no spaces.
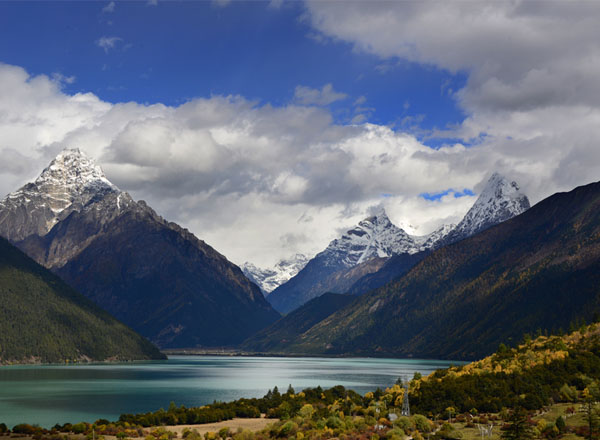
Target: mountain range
{"x":538,"y":270}
{"x":150,"y":273}
{"x":352,"y":263}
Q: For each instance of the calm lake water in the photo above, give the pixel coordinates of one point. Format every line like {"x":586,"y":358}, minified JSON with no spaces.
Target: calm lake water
{"x":51,"y":394}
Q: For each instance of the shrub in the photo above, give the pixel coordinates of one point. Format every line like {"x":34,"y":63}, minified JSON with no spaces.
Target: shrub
{"x":422,"y":423}
{"x":288,"y":429}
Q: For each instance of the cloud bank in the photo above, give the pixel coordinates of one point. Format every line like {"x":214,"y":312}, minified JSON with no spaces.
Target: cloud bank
{"x":260,"y":182}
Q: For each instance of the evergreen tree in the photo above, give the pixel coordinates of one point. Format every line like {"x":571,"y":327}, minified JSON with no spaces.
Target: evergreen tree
{"x":518,"y":426}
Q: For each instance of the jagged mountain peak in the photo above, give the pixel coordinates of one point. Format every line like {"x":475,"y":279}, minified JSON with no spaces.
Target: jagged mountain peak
{"x":500,"y":200}
{"x":375,"y":236}
{"x":74,"y":169}
{"x":67,"y":184}
{"x":268,"y":279}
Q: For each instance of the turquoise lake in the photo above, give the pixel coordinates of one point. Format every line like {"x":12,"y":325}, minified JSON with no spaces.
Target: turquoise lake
{"x":50,"y":394}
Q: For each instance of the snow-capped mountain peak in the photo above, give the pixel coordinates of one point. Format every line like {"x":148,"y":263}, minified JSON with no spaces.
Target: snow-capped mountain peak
{"x":75,"y":172}
{"x":500,"y":200}
{"x":375,"y":236}
{"x":69,"y":182}
{"x":270,"y":278}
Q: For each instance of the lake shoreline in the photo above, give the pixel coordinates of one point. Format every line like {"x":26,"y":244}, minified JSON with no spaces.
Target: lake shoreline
{"x":234,"y":352}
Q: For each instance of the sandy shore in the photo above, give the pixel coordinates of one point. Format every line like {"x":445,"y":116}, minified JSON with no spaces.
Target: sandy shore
{"x":233,"y":425}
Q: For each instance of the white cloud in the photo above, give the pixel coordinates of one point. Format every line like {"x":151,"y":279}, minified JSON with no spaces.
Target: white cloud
{"x":62,"y":79}
{"x":108,"y":43}
{"x":260,"y":182}
{"x":109,"y":8}
{"x":326,"y":95}
{"x":221,"y":3}
{"x":256,"y":182}
{"x":532,"y":97}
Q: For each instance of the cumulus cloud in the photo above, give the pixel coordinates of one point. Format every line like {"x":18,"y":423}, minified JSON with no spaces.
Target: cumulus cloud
{"x":326,"y":95}
{"x":532,"y":97}
{"x":260,"y":182}
{"x":108,"y":43}
{"x":256,"y":182}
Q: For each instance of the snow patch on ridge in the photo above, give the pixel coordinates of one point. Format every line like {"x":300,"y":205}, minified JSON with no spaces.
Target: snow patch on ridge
{"x":270,"y":278}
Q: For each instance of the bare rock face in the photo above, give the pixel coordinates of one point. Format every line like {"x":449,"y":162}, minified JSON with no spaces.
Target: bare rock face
{"x":152,"y":274}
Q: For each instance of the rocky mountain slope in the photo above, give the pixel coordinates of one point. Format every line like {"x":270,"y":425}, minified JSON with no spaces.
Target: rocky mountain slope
{"x":270,"y":278}
{"x":44,"y":320}
{"x":352,"y":263}
{"x":540,"y":269}
{"x":152,"y":274}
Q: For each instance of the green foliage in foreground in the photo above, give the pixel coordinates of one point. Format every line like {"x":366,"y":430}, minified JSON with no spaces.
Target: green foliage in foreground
{"x":42,"y":319}
{"x":273,"y":404}
{"x":533,"y":375}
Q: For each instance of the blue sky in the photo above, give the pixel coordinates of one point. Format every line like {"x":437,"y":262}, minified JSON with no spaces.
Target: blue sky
{"x":175,"y":51}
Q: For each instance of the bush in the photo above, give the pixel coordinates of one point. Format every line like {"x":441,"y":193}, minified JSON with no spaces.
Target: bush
{"x":422,"y":423}
{"x":79,"y":428}
{"x":288,"y":429}
{"x":24,"y":428}
{"x":395,"y":434}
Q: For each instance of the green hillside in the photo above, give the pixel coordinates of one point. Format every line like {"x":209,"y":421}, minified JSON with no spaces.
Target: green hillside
{"x":44,"y":320}
{"x":533,"y":374}
{"x":538,"y":270}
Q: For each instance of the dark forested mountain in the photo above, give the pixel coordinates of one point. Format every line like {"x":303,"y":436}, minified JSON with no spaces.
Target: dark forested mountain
{"x":42,"y":319}
{"x":540,"y":269}
{"x":278,"y":335}
{"x":394,"y":267}
{"x":152,"y":274}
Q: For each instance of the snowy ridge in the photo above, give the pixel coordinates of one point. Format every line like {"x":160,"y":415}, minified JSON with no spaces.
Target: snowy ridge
{"x":70,"y":182}
{"x":429,"y":241}
{"x":499,"y":201}
{"x":270,"y":278}
{"x":375,"y":236}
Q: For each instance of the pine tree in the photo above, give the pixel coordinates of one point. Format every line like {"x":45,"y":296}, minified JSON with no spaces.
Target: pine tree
{"x":518,"y":426}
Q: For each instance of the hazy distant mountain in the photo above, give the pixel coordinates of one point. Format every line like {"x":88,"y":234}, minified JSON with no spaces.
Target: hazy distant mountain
{"x":540,"y":269}
{"x":42,"y":319}
{"x":150,"y":273}
{"x":271,"y":278}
